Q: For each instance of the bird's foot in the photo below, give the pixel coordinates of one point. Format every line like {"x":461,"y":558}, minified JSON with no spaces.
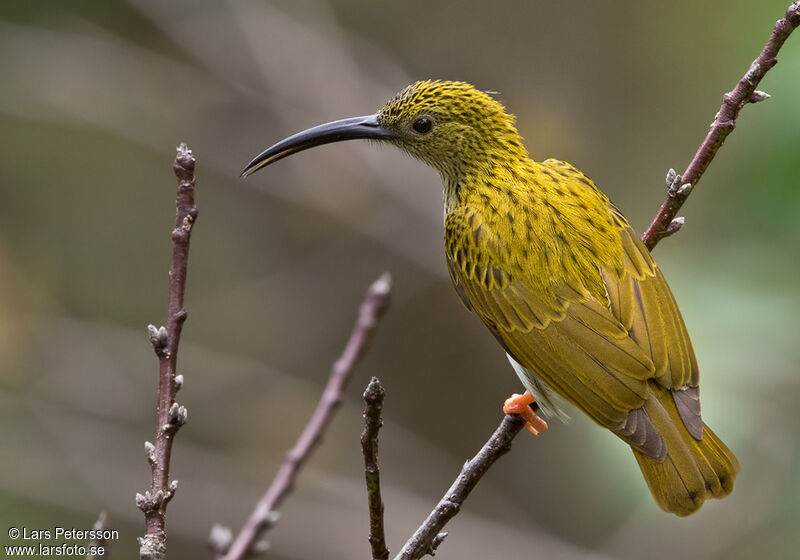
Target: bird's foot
{"x":521,"y":404}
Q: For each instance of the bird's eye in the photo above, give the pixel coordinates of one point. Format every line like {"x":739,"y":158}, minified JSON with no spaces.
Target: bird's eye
{"x":422,"y":125}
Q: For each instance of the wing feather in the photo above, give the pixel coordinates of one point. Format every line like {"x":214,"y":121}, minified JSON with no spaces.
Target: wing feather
{"x":656,"y":323}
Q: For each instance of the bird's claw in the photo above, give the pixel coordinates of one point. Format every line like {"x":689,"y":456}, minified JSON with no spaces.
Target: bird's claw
{"x":521,"y":405}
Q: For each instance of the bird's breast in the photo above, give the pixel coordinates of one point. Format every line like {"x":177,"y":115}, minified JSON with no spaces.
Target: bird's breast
{"x":544,"y":233}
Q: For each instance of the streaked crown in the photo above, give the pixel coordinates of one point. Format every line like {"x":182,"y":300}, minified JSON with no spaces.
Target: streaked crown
{"x":451,"y":126}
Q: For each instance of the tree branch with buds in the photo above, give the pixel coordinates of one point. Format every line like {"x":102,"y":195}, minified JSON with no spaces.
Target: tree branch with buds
{"x":165,"y":340}
{"x":373,"y":399}
{"x":680,"y":186}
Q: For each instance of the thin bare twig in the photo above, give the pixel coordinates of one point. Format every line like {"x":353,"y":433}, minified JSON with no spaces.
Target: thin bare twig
{"x":429,"y":535}
{"x":165,"y":340}
{"x":373,"y":397}
{"x":680,"y":186}
{"x":97,"y":549}
{"x":264,"y":515}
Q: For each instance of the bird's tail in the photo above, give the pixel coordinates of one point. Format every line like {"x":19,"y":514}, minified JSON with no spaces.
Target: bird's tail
{"x":692,"y":471}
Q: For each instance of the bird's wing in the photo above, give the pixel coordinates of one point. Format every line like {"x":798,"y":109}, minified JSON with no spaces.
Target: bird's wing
{"x":598,"y":355}
{"x":641,"y":300}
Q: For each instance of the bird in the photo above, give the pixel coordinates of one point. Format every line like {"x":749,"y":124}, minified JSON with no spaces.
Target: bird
{"x":557,"y":274}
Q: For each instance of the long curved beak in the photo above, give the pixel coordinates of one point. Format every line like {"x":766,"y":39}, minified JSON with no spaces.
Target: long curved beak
{"x":336,"y":131}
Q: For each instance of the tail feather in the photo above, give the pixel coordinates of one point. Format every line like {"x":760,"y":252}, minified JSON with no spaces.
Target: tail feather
{"x":692,"y":470}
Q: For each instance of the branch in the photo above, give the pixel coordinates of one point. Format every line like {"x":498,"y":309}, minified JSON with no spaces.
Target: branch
{"x":373,"y":397}
{"x":265,"y":515}
{"x":429,"y":536}
{"x":98,"y":545}
{"x":680,"y":186}
{"x":165,"y":342}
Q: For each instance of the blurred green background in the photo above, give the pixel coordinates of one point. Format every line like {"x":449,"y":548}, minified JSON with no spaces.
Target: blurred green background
{"x":94,"y":96}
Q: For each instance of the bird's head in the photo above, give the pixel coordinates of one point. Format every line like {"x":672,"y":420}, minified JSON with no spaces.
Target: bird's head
{"x":451,"y":126}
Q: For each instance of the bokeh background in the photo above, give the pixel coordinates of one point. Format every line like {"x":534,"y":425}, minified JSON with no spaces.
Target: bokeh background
{"x":94,"y":96}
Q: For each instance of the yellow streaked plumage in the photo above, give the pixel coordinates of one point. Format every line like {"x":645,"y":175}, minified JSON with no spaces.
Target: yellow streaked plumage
{"x":558,"y":276}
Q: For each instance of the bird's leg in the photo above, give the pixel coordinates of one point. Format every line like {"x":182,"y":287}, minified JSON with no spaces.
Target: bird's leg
{"x":521,"y":404}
